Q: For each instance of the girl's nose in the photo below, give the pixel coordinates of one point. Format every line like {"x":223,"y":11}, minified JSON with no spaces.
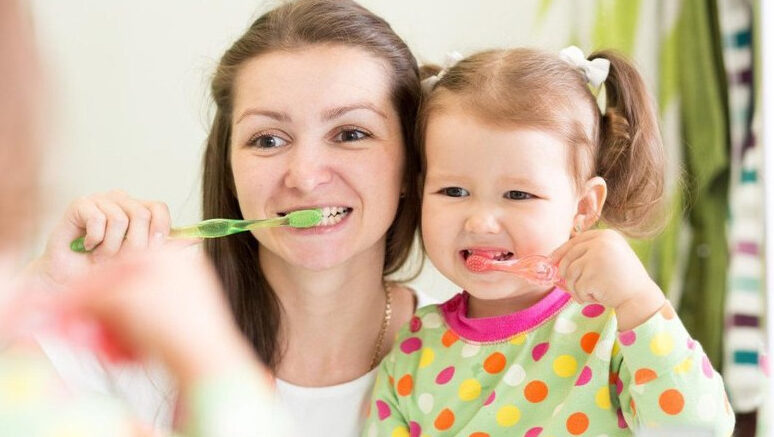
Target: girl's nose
{"x":482,"y":222}
{"x":308,"y":168}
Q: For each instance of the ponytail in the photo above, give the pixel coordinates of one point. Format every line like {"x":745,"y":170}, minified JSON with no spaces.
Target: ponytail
{"x":630,"y":156}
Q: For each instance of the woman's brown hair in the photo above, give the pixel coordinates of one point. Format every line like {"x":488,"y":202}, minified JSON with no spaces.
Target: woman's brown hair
{"x":534,"y":89}
{"x":291,"y":26}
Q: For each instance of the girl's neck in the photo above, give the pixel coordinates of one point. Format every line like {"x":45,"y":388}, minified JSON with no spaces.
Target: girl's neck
{"x":478,"y":307}
{"x":330,"y":318}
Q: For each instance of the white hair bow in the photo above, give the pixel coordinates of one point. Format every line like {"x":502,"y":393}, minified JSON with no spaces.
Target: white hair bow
{"x":451,"y":59}
{"x":595,"y":71}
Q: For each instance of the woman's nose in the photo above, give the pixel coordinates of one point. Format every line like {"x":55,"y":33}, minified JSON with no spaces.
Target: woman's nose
{"x":308,"y":168}
{"x":482,"y":222}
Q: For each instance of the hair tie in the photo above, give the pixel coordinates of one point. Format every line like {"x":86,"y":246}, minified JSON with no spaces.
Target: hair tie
{"x":595,"y":71}
{"x":451,"y":59}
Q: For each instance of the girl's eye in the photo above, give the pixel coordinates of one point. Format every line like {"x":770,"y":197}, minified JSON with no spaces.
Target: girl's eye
{"x":454,"y":192}
{"x":350,"y":135}
{"x":517,"y":195}
{"x":267,"y":141}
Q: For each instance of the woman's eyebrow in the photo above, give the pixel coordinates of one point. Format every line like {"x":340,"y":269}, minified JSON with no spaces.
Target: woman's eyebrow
{"x":279,"y":116}
{"x":332,"y":113}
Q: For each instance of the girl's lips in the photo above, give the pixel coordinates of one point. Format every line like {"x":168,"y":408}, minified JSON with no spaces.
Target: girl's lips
{"x":497,"y":253}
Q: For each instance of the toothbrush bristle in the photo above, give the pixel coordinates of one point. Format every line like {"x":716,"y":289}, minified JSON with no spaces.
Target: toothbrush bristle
{"x":305,"y":218}
{"x":477,"y":263}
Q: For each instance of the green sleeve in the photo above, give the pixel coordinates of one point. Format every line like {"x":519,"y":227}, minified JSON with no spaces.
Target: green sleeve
{"x":384,"y":414}
{"x":665,"y":380}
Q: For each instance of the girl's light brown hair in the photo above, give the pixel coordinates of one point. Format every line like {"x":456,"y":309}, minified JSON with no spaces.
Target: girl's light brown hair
{"x":526,"y":88}
{"x":291,"y":26}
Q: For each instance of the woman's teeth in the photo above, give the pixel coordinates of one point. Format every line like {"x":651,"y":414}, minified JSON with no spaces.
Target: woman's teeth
{"x":333,"y":215}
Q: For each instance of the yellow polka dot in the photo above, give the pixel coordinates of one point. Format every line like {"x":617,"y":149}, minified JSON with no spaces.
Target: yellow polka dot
{"x":662,"y":344}
{"x":508,"y":415}
{"x":616,"y":348}
{"x":565,"y":365}
{"x":685,"y":366}
{"x":519,"y":339}
{"x":602,"y":398}
{"x":469,"y":389}
{"x":400,"y":431}
{"x":427,"y":357}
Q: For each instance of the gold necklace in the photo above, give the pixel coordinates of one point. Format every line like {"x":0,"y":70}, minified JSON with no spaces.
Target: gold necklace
{"x":385,"y":324}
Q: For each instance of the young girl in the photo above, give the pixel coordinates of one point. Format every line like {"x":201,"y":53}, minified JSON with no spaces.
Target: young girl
{"x":520,"y":160}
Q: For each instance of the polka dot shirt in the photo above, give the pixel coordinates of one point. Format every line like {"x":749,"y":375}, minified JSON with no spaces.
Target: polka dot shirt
{"x":556,"y":369}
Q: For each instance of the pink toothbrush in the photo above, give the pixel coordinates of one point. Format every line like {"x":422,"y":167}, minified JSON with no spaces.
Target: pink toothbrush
{"x":537,"y":269}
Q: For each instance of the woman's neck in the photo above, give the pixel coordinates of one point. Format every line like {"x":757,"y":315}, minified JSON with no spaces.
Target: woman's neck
{"x":330,"y":319}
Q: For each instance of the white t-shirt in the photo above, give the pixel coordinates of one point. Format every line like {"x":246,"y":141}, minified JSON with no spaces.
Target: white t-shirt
{"x":150,"y":395}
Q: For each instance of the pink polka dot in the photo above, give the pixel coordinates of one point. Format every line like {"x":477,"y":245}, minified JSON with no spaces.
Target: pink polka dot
{"x":691,"y":344}
{"x":627,"y":338}
{"x":584,"y":377}
{"x":490,"y":399}
{"x":621,"y":421}
{"x":618,"y":385}
{"x":763,"y":362}
{"x":415,"y":324}
{"x":410,"y":345}
{"x":445,"y":375}
{"x":706,"y":367}
{"x":539,"y":350}
{"x":414,"y":429}
{"x":383,"y":410}
{"x":593,"y":310}
{"x":534,"y":432}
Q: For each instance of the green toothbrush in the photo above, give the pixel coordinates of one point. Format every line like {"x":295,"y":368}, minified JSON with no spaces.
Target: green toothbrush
{"x":214,"y":228}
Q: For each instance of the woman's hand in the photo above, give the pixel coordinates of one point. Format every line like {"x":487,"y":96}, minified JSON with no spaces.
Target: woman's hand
{"x":599,"y":266}
{"x":111,"y":222}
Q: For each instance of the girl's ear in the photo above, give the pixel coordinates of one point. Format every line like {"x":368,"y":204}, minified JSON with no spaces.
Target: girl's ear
{"x":590,"y":204}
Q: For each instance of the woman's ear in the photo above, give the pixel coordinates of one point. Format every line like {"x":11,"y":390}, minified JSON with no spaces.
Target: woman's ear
{"x":590,"y":204}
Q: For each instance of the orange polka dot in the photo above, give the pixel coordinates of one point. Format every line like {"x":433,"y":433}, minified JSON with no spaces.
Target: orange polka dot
{"x":671,"y":401}
{"x":536,"y":391}
{"x":479,"y":434}
{"x":588,"y":341}
{"x":495,"y":363}
{"x":449,"y":338}
{"x":641,"y":376}
{"x":405,"y":385}
{"x":445,"y":420}
{"x":667,"y":312}
{"x":613,"y":378}
{"x":577,"y":423}
{"x":631,"y":404}
{"x":392,"y":380}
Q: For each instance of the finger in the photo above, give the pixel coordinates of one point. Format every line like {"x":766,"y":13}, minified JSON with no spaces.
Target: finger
{"x":87,"y":216}
{"x":572,"y":257}
{"x":137,"y":233}
{"x":160,"y":222}
{"x":115,"y":229}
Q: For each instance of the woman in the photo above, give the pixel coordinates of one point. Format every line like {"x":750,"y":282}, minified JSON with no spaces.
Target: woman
{"x":316,"y":105}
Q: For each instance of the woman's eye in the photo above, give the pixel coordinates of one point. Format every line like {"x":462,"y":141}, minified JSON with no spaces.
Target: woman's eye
{"x":454,"y":192}
{"x":350,"y":135}
{"x":517,"y":195}
{"x":267,"y":141}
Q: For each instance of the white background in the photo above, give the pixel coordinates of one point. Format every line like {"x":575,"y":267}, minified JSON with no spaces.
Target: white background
{"x":129,"y":105}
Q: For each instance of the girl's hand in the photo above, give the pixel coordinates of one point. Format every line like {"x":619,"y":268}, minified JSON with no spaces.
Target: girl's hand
{"x":112,"y":223}
{"x":599,"y":266}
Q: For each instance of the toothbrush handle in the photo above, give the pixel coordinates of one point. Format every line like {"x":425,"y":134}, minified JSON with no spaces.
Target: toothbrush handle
{"x":201,"y":230}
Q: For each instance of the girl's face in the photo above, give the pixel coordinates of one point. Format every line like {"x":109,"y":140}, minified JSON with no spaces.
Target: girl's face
{"x":500,"y":192}
{"x":316,"y":128}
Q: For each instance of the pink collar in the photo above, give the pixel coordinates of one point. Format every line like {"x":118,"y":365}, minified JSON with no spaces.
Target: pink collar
{"x":491,"y":329}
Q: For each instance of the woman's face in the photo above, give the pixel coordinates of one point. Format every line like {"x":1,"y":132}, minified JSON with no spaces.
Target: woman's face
{"x":316,"y":128}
